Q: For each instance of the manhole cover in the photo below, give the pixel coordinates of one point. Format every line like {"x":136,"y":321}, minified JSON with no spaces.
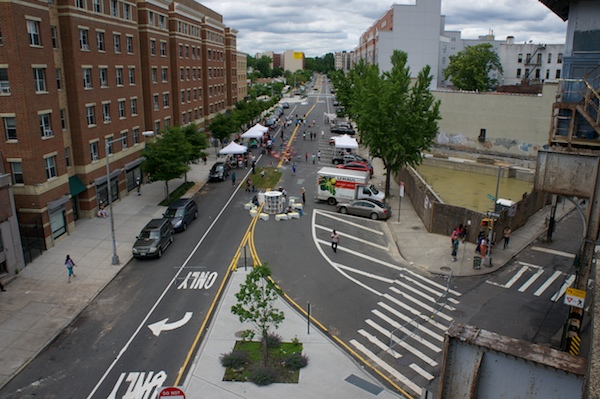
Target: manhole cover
{"x":415,"y":228}
{"x":445,"y":269}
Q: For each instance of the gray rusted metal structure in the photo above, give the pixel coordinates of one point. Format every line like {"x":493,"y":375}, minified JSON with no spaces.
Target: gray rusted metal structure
{"x":482,"y":364}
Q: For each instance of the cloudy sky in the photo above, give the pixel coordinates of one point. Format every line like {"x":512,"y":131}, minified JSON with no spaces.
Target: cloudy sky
{"x":318,"y":27}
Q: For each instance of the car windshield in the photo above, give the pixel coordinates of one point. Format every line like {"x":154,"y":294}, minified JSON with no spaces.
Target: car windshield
{"x":174,"y":212}
{"x":374,"y":190}
{"x":149,"y":235}
{"x":218,"y":168}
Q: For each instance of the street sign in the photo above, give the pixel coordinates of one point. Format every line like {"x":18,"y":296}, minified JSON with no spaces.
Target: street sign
{"x":171,"y":393}
{"x":493,"y":214}
{"x":575,"y":297}
{"x":490,"y":196}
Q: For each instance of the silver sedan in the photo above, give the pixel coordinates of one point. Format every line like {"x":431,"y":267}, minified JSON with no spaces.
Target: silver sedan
{"x":368,"y":208}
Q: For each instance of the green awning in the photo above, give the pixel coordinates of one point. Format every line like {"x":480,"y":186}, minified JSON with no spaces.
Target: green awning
{"x":76,"y":186}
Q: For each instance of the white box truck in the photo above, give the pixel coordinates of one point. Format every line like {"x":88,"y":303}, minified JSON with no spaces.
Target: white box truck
{"x":335,"y":185}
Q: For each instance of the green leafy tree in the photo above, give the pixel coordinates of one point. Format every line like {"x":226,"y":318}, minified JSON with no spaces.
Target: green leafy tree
{"x":222,"y":126}
{"x":198,"y":142}
{"x":397,"y":117}
{"x":256,"y":304}
{"x":167,"y":158}
{"x":470,"y":69}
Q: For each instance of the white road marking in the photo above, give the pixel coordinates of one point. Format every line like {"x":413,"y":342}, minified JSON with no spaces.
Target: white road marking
{"x":547,"y":284}
{"x":343,"y":220}
{"x":422,"y":372}
{"x":352,"y":237}
{"x":413,"y":334}
{"x":408,"y":383}
{"x":513,"y":280}
{"x":363,"y":273}
{"x":420,"y":293}
{"x":373,"y":339}
{"x":412,"y":322}
{"x":416,"y":312}
{"x":531,"y":280}
{"x":563,"y":288}
{"x":400,"y":303}
{"x":554,"y":252}
{"x":403,"y":344}
{"x":420,"y":303}
{"x":426,"y":288}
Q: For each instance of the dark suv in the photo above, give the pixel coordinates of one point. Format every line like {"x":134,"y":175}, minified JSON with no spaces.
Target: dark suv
{"x":342,"y":130}
{"x":181,"y":213}
{"x":219,"y":171}
{"x":153,"y":239}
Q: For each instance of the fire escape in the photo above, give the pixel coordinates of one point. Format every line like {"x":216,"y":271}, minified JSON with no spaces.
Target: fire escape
{"x":575,"y":116}
{"x":533,"y":63}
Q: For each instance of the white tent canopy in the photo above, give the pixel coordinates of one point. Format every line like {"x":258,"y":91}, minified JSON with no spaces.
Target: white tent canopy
{"x":260,"y":128}
{"x":252,"y":134}
{"x":345,"y":141}
{"x":233,"y":148}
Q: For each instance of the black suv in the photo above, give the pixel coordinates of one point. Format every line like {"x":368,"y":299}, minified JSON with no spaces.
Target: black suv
{"x":153,"y":239}
{"x":181,"y":213}
{"x":342,"y":130}
{"x":219,"y":171}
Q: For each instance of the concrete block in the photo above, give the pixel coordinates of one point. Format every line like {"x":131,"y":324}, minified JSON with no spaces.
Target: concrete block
{"x":253,"y":212}
{"x":248,"y":206}
{"x":293,"y":215}
{"x":281,"y":216}
{"x":264,"y":216}
{"x":297,"y":205}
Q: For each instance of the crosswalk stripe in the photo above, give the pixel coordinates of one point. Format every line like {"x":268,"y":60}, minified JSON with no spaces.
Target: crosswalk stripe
{"x":547,"y":284}
{"x":412,"y":322}
{"x":402,"y":343}
{"x":334,"y":216}
{"x":516,"y":277}
{"x":353,"y":237}
{"x":553,"y":252}
{"x":381,"y":363}
{"x":531,"y":280}
{"x":373,"y":339}
{"x":420,"y":303}
{"x":363,"y":273}
{"x":421,"y":372}
{"x":425,"y":287}
{"x":413,"y":334}
{"x":414,"y":311}
{"x":563,"y":288}
{"x":421,"y":293}
{"x":428,"y":281}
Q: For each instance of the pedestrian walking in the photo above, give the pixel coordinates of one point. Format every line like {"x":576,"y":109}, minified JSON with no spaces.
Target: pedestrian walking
{"x":70,"y":264}
{"x":455,"y":240}
{"x":138,"y":184}
{"x":314,"y":158}
{"x":319,"y":155}
{"x":253,"y":166}
{"x":303,"y":193}
{"x":322,"y":134}
{"x":262,"y":173}
{"x":306,"y":156}
{"x":204,"y":159}
{"x":233,"y":177}
{"x":294,"y":167}
{"x":507,"y":233}
{"x":304,"y":136}
{"x":335,"y":239}
{"x":249,"y":185}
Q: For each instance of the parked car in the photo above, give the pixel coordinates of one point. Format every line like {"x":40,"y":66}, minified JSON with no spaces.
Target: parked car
{"x":181,"y":213}
{"x":271,"y":121}
{"x":342,"y":130}
{"x":336,"y":103}
{"x":357,"y":166}
{"x":154,"y":238}
{"x":219,"y":171}
{"x":285,"y":105}
{"x":367,"y":208}
{"x":346,"y":158}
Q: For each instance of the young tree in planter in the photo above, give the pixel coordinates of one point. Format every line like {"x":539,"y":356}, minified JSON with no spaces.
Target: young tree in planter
{"x":255,"y":304}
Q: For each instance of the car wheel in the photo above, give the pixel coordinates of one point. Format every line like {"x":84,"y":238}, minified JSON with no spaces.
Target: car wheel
{"x":159,"y":253}
{"x":336,"y":162}
{"x":196,"y":215}
{"x":331,"y":201}
{"x":343,"y":210}
{"x":184,"y":226}
{"x":374,"y":216}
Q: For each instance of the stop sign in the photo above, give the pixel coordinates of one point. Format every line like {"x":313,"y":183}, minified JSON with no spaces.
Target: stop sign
{"x":171,"y":393}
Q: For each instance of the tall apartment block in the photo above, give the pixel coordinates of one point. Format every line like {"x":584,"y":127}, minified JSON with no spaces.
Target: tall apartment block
{"x":82,"y":80}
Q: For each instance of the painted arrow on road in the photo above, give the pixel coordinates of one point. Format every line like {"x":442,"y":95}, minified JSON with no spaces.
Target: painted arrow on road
{"x":162,"y":325}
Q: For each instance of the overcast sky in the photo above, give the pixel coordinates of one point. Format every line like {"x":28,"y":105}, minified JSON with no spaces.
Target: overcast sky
{"x":318,"y":27}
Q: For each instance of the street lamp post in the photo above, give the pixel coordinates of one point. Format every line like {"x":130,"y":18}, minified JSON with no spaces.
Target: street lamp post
{"x":115,"y":257}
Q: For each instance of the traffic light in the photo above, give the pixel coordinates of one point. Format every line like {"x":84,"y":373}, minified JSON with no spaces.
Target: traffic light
{"x":485,"y":222}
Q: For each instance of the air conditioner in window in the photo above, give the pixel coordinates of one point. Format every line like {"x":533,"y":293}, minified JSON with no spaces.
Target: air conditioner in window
{"x":47,"y":132}
{"x":5,"y":90}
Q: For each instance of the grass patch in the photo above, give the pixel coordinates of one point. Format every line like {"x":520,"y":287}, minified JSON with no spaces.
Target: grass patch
{"x":177,"y":193}
{"x":272,"y":176}
{"x":283,"y":365}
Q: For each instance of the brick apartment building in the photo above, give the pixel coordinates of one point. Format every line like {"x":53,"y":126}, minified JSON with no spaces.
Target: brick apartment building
{"x":81,"y":80}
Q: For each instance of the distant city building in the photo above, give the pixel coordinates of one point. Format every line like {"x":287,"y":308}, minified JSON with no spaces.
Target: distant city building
{"x":293,"y":61}
{"x":343,"y":60}
{"x":242,"y":76}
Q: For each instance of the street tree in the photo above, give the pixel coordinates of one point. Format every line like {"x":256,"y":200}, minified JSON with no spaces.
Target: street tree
{"x":222,"y":126}
{"x":470,"y":69}
{"x":397,"y":117}
{"x":198,"y":141}
{"x":256,"y":300}
{"x":167,"y":158}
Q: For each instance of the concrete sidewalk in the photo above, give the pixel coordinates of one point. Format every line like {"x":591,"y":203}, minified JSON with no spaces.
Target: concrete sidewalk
{"x":39,"y":303}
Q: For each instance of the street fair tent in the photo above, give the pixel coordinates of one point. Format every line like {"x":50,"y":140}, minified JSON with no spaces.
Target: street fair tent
{"x":260,"y":128}
{"x":253,"y":133}
{"x":233,"y":148}
{"x":345,"y":141}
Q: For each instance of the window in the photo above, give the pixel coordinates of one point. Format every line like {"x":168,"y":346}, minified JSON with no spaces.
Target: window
{"x":97,"y":5}
{"x":161,"y":21}
{"x":4,"y":82}
{"x":558,"y":74}
{"x":167,"y":122}
{"x":547,"y":74}
{"x":51,"y":167}
{"x":183,"y":118}
{"x":156,"y":127}
{"x":58,"y":79}
{"x":45,"y":125}
{"x":119,"y":71}
{"x":106,"y":112}
{"x":518,"y":72}
{"x":155,"y":101}
{"x":103,"y":77}
{"x":63,"y":119}
{"x":79,"y":4}
{"x":165,"y":75}
{"x":528,"y":58}
{"x":114,"y":8}
{"x":127,"y":11}
{"x":87,"y":78}
{"x":100,"y":41}
{"x":165,"y":99}
{"x":54,"y":36}
{"x":559,"y":58}
{"x":526,"y":72}
{"x":520,"y":58}
{"x":152,"y":47}
{"x":68,"y":156}
{"x":180,"y":50}
{"x":131,"y":76}
{"x":154,"y":75}
{"x":136,"y":135}
{"x":10,"y":128}
{"x":187,"y":73}
{"x":91,"y":115}
{"x":133,"y":106}
{"x":189,"y":95}
{"x":39,"y":78}
{"x":33,"y":30}
{"x":187,"y":51}
{"x":209,"y":54}
{"x":549,"y":58}
{"x":163,"y":49}
{"x":124,"y":142}
{"x":109,"y":145}
{"x":129,"y":43}
{"x":539,"y":59}
{"x":182,"y":96}
{"x":181,"y":74}
{"x":122,"y":109}
{"x":17,"y":172}
{"x":150,"y":18}
{"x":117,"y":42}
{"x":94,"y":150}
{"x":84,"y":42}
{"x":538,"y":73}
